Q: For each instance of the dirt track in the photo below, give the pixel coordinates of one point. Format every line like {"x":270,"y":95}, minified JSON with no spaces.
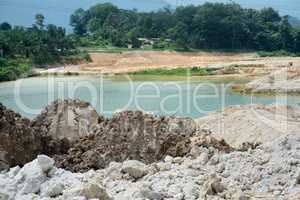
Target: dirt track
{"x":139,"y":60}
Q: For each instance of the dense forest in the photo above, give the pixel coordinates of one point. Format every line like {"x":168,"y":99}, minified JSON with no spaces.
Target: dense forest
{"x":208,"y":26}
{"x":21,"y":48}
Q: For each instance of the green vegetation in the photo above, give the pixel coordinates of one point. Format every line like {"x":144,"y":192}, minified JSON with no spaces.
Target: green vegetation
{"x":11,"y":70}
{"x":208,"y":26}
{"x":195,"y":71}
{"x":21,"y":48}
{"x":277,"y":53}
{"x":211,"y":26}
{"x":164,"y":44}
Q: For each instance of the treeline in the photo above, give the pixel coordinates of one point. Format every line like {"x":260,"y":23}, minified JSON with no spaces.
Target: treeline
{"x":208,"y":26}
{"x":22,"y":47}
{"x":40,"y":43}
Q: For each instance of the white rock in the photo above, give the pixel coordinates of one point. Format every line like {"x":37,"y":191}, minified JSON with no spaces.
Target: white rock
{"x":88,"y":190}
{"x":32,"y":177}
{"x":191,"y":191}
{"x":203,"y":158}
{"x":241,"y":196}
{"x":14,"y":171}
{"x":173,"y":190}
{"x":32,"y":184}
{"x":214,"y":160}
{"x":135,"y":169}
{"x":27,"y":197}
{"x":220,"y":168}
{"x":240,"y":171}
{"x":51,"y":189}
{"x":168,"y":159}
{"x":179,"y":196}
{"x":178,"y":160}
{"x":77,"y":198}
{"x":147,"y":193}
{"x":164,"y":166}
{"x":213,"y":186}
{"x":195,"y":151}
{"x":45,"y":162}
{"x":113,"y":171}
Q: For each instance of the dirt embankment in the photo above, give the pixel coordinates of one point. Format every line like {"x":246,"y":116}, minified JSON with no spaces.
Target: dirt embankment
{"x":285,"y":80}
{"x":19,"y":143}
{"x":255,"y":124}
{"x":140,"y":60}
{"x":79,"y":139}
{"x":72,"y":132}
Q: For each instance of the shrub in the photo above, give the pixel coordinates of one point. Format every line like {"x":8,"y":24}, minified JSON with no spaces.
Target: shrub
{"x":11,"y":70}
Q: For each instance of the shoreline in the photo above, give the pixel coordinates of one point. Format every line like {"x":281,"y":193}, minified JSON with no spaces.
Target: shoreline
{"x":134,"y":61}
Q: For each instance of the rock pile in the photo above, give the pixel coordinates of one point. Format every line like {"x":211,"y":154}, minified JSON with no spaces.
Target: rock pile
{"x":137,"y":156}
{"x":39,"y":179}
{"x":269,"y":172}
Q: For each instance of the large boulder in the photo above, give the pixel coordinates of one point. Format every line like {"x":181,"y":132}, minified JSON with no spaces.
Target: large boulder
{"x":87,"y":190}
{"x":134,"y":168}
{"x":67,"y":119}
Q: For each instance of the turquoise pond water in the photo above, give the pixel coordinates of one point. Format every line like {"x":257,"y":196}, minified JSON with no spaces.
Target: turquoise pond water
{"x":189,"y":98}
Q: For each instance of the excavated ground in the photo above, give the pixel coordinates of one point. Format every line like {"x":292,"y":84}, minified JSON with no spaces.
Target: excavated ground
{"x":134,"y":156}
{"x":60,"y":132}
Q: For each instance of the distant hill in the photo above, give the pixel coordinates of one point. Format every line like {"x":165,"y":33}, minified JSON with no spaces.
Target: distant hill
{"x":294,"y":21}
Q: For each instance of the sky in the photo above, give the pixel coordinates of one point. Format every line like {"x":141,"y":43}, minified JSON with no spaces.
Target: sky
{"x":22,"y":12}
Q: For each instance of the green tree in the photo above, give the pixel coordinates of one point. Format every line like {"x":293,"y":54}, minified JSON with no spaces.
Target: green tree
{"x":39,"y":20}
{"x":297,"y":41}
{"x":78,"y":21}
{"x":133,"y":39}
{"x":5,"y":26}
{"x":211,"y":25}
{"x":286,"y":36}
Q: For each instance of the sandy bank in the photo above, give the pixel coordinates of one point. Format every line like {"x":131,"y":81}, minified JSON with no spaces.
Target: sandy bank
{"x":251,"y":123}
{"x":285,"y":80}
{"x":140,"y":60}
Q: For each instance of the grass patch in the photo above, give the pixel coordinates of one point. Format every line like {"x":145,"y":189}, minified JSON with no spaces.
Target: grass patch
{"x":195,"y":71}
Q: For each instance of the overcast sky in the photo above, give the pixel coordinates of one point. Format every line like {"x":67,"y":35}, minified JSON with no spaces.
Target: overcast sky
{"x":21,"y":12}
